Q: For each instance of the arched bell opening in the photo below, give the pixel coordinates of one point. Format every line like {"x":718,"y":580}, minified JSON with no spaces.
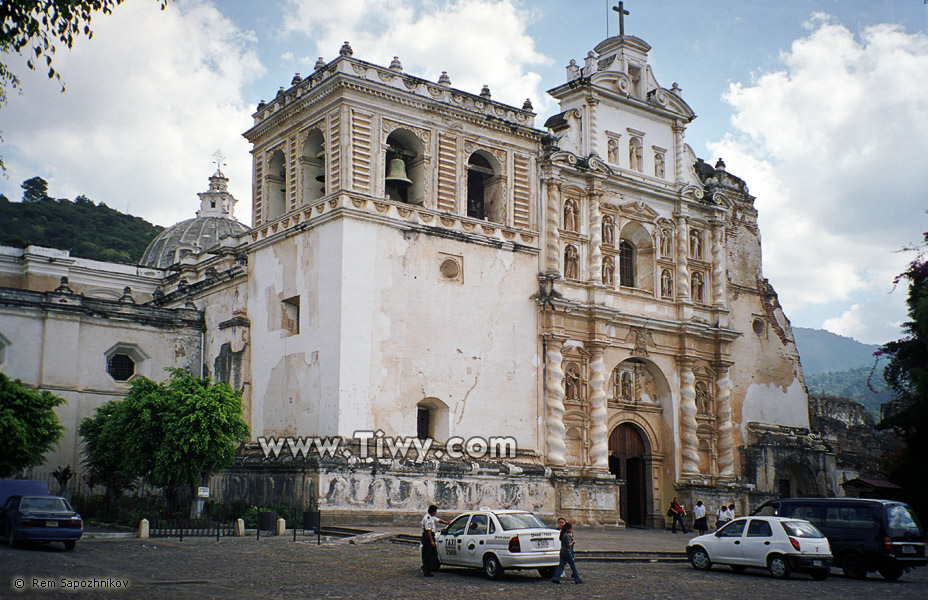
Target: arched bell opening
{"x":485,"y":188}
{"x":312,"y":162}
{"x":404,"y":168}
{"x":276,"y":186}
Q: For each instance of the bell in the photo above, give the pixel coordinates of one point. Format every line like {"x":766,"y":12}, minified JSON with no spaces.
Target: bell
{"x":320,"y":176}
{"x":397,"y":174}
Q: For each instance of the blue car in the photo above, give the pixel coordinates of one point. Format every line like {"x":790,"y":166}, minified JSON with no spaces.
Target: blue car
{"x":40,"y":519}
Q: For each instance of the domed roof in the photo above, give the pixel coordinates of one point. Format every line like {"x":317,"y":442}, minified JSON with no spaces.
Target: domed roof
{"x":213,"y":222}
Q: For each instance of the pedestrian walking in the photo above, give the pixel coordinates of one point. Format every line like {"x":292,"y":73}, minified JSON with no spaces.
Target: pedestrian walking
{"x":723,"y":516}
{"x":676,"y":513}
{"x":429,"y":545}
{"x":566,"y":555}
{"x":700,"y":521}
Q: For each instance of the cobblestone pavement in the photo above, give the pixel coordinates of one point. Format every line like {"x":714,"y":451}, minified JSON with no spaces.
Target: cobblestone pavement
{"x":280,"y":568}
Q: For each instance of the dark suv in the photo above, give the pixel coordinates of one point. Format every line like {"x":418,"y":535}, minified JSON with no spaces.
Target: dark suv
{"x":865,"y":535}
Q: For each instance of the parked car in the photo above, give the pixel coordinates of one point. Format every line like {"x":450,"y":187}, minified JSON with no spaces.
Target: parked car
{"x":40,"y":518}
{"x":865,"y":535}
{"x":495,"y":540}
{"x":775,"y":543}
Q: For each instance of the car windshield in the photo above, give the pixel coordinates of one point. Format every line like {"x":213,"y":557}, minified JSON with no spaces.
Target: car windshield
{"x":900,"y":520}
{"x":45,"y":504}
{"x":524,"y":520}
{"x":801,"y":529}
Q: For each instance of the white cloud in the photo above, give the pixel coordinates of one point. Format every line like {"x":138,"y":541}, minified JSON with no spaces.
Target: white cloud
{"x":476,"y":41}
{"x":148,"y":100}
{"x":833,"y":146}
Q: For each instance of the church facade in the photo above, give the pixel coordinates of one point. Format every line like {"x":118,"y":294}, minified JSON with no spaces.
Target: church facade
{"x":426,"y":262}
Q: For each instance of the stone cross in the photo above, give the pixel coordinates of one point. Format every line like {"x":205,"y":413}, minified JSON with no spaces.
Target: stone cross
{"x":219,"y":159}
{"x":622,"y":12}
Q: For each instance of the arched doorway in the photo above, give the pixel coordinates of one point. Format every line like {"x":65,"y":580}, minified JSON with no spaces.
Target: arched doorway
{"x":627,"y":450}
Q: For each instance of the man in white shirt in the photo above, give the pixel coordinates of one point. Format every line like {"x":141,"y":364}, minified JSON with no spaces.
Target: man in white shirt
{"x":429,"y":547}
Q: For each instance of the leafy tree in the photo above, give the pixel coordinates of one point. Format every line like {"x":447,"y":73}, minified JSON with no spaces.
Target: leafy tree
{"x":174,"y":434}
{"x":35,"y":190}
{"x":29,"y":426}
{"x":103,"y":453}
{"x":907,"y":377}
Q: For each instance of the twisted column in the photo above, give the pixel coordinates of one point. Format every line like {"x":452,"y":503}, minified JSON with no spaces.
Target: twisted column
{"x":689,"y":445}
{"x":596,"y":239}
{"x":683,"y":274}
{"x":553,"y":221}
{"x":554,"y":403}
{"x":723,"y":418}
{"x":599,"y":451}
{"x":718,"y":265}
{"x":678,"y":151}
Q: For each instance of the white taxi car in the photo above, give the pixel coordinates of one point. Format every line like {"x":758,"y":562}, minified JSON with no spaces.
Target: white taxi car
{"x":779,"y":544}
{"x":495,"y":540}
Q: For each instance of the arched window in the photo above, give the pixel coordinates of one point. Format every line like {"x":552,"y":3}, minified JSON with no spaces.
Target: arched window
{"x":275,"y":189}
{"x":626,"y":264}
{"x":312,"y":163}
{"x":404,"y":168}
{"x":571,"y":263}
{"x":697,"y":288}
{"x":609,"y":271}
{"x":485,"y":188}
{"x":608,"y":231}
{"x":571,"y":216}
{"x":666,"y":284}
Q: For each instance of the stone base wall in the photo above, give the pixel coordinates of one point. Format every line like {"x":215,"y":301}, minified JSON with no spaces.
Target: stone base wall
{"x":713,"y":496}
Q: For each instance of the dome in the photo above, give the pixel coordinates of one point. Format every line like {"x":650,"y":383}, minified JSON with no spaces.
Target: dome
{"x":213,"y":222}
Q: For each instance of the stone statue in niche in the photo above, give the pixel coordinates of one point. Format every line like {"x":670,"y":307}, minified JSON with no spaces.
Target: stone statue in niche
{"x":696,"y":244}
{"x":666,"y":284}
{"x":635,"y":158}
{"x":609,"y":271}
{"x":572,"y":382}
{"x":626,"y":386}
{"x":570,"y":216}
{"x":608,"y":231}
{"x":571,"y":263}
{"x":659,"y":165}
{"x":702,"y":398}
{"x":613,"y":151}
{"x":697,"y":288}
{"x":647,"y":385}
{"x":666,"y":243}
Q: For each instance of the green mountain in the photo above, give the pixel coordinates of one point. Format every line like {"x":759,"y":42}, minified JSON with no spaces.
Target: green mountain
{"x":840,"y":366}
{"x":87,"y":230}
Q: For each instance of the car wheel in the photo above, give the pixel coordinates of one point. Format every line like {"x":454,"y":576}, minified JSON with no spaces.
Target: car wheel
{"x":779,"y":567}
{"x":821,"y":574}
{"x":547,"y":572}
{"x":891,"y":573}
{"x":854,"y":566}
{"x":737,"y":568}
{"x":70,"y":544}
{"x":700,"y":559}
{"x":492,"y":568}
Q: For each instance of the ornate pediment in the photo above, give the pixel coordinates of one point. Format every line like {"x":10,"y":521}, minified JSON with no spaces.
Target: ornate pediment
{"x":671,"y":101}
{"x":639,"y":209}
{"x":641,"y":339}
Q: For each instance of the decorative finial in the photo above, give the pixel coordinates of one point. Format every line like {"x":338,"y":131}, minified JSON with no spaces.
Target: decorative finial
{"x":720,"y":164}
{"x":280,"y":92}
{"x":444,"y":79}
{"x":126,"y":297}
{"x":346,"y":50}
{"x":219,"y":158}
{"x":485,"y":92}
{"x":676,"y":89}
{"x":64,"y":288}
{"x":296,"y":79}
{"x":319,"y":64}
{"x":527,"y":105}
{"x":262,"y":105}
{"x":395,"y":64}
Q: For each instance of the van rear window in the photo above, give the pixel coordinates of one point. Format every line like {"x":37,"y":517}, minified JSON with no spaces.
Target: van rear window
{"x":900,"y":520}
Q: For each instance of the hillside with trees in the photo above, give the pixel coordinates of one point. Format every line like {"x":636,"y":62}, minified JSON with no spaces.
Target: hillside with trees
{"x":86,"y":229}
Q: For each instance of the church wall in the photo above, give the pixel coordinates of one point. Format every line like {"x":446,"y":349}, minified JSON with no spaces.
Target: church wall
{"x":474,"y":354}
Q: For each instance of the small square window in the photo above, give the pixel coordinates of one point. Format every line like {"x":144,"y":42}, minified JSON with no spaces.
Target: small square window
{"x":290,"y":315}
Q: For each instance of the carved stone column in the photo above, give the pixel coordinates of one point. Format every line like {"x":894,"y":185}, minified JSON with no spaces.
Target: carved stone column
{"x":599,"y":450}
{"x":592,"y":131}
{"x":554,"y":404}
{"x":552,"y":222}
{"x":718,"y":265}
{"x":683,"y":273}
{"x":723,"y":418}
{"x":689,"y":444}
{"x":596,"y":238}
{"x":678,"y":130}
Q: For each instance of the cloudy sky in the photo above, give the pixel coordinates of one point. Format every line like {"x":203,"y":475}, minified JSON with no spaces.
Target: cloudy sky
{"x":820,"y":105}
